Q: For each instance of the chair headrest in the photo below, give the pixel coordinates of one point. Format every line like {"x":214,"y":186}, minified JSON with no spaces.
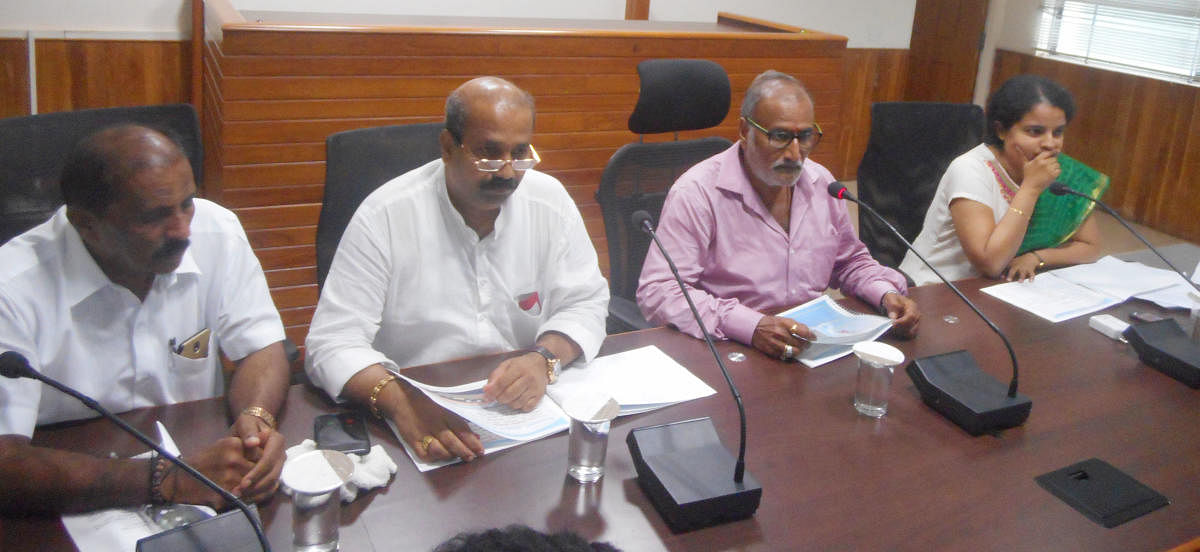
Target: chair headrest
{"x":680,"y":94}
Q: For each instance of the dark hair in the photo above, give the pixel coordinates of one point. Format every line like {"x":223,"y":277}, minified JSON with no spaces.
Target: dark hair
{"x":456,"y":110}
{"x":754,"y":93}
{"x":1016,"y":97}
{"x":102,"y":161}
{"x":519,"y":538}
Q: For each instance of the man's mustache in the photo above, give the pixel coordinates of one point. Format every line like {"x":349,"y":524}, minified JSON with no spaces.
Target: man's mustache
{"x":172,"y":248}
{"x":497,"y":183}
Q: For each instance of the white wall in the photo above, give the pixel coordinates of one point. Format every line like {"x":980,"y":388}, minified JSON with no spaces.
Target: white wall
{"x":867,"y":23}
{"x":1011,"y":25}
{"x":147,"y":19}
{"x":553,"y":9}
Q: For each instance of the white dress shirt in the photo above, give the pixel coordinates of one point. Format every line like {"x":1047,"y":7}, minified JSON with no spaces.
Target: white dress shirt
{"x":73,"y":324}
{"x":412,"y":284}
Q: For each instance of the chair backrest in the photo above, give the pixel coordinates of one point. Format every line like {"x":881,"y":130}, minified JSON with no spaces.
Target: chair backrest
{"x":675,"y":95}
{"x":33,"y":149}
{"x":356,"y":163}
{"x":911,"y":145}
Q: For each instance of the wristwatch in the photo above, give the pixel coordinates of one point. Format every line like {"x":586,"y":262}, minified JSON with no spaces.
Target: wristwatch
{"x":553,"y":363}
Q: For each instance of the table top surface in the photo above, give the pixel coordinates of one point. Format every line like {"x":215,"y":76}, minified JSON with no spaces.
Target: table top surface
{"x":832,"y":479}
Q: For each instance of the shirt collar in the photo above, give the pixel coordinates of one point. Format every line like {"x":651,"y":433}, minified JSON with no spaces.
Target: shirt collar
{"x":455,"y":218}
{"x":83,"y":277}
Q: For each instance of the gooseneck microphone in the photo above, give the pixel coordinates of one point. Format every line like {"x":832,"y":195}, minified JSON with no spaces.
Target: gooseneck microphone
{"x":1058,"y":188}
{"x":952,"y":383}
{"x":1162,"y":345}
{"x":14,"y":365}
{"x":683,"y":467}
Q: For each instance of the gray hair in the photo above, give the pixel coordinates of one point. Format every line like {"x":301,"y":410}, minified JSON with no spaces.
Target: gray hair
{"x":759,"y":85}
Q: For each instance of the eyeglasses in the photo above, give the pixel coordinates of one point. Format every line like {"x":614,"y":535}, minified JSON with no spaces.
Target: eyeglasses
{"x":494,"y":165}
{"x":779,"y":138}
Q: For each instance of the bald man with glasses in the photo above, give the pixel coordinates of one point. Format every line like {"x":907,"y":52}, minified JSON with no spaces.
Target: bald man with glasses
{"x":753,"y":231}
{"x":470,"y":254}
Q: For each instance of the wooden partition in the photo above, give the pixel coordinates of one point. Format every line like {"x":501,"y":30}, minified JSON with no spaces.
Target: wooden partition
{"x":277,"y":84}
{"x":1142,"y":132}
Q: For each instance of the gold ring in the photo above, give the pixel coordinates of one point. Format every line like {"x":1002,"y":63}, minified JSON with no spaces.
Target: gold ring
{"x":794,"y":329}
{"x":425,"y":441}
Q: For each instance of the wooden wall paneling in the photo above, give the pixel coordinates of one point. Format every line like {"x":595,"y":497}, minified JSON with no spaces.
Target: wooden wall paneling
{"x":272,"y":97}
{"x":871,"y":75}
{"x":14,"y":77}
{"x":944,"y":50}
{"x":1140,"y":131}
{"x":84,"y":74}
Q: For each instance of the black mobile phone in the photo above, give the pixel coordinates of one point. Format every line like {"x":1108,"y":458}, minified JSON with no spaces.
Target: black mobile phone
{"x":344,"y":431}
{"x":1144,"y":317}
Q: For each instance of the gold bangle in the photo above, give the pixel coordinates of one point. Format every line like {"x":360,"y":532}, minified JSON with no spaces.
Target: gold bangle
{"x":260,"y":413}
{"x":1015,"y":210}
{"x":375,"y":394}
{"x":1041,"y":261}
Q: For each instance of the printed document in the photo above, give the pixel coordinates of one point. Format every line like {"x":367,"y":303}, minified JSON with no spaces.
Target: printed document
{"x":639,"y":380}
{"x":1069,"y":292}
{"x":836,"y":329}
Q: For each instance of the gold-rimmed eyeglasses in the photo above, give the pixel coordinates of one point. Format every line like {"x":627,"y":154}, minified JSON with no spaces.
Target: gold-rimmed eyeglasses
{"x":779,"y":138}
{"x":495,"y":165}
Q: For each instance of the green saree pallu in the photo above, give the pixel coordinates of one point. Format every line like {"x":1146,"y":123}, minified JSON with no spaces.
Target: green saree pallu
{"x":1056,"y":218}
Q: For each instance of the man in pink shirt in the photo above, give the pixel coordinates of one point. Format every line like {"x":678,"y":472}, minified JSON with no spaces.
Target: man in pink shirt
{"x":753,"y":230}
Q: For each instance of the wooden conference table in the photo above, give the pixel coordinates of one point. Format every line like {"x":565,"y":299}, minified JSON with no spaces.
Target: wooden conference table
{"x":832,"y":479}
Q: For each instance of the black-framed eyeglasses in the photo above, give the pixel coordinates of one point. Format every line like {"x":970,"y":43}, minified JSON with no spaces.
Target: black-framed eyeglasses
{"x":779,"y":138}
{"x":494,"y":165}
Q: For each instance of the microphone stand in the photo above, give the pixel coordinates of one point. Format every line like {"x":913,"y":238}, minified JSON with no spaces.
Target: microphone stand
{"x":1162,"y":344}
{"x":952,"y":383}
{"x":15,"y":365}
{"x":679,"y":465}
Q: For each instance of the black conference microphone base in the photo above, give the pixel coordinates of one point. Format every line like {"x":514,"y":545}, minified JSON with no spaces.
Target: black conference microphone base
{"x":1162,"y":345}
{"x":684,"y":470}
{"x":953,"y":385}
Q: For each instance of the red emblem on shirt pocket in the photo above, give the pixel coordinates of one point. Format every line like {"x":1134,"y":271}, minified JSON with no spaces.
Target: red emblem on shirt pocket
{"x":530,"y":303}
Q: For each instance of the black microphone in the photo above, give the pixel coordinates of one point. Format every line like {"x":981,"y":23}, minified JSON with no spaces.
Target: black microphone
{"x":682,"y":466}
{"x":952,"y":383}
{"x":1162,"y":345}
{"x":14,"y":365}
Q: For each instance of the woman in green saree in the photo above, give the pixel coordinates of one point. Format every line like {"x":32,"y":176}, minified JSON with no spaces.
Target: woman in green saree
{"x":990,"y":216}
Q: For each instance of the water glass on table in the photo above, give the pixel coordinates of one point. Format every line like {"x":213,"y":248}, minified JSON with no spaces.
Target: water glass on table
{"x":877,"y":363}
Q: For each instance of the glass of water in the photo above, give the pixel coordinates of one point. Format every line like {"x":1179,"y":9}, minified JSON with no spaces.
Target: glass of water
{"x":877,"y":363}
{"x":591,"y":419}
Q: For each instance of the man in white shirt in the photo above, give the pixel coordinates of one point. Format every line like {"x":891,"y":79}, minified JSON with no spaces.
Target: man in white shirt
{"x":127,"y":294}
{"x":473,"y":253}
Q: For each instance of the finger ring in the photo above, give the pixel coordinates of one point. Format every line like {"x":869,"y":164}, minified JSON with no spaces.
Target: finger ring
{"x":788,"y":351}
{"x":795,"y":328}
{"x":425,"y":441}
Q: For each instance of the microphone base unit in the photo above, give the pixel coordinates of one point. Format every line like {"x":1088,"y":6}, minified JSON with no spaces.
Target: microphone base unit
{"x":1164,"y":346}
{"x":687,"y":474}
{"x":953,"y":385}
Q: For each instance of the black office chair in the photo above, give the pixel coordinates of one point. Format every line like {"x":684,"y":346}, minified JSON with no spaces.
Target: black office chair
{"x":675,"y":95}
{"x":911,"y":145}
{"x":356,"y":163}
{"x":33,"y":149}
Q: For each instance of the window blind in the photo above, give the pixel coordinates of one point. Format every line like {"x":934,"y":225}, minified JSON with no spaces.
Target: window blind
{"x":1156,"y":37}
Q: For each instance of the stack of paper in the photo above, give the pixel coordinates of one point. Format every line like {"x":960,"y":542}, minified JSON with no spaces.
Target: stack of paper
{"x":1069,"y":292}
{"x":639,"y":380}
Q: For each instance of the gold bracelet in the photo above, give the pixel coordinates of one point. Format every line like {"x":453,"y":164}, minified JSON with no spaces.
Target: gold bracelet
{"x":1041,"y":261}
{"x":375,"y":394}
{"x":1015,"y":210}
{"x":260,"y":413}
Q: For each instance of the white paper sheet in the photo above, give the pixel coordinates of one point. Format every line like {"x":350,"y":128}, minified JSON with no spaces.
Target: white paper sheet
{"x":640,"y":380}
{"x":1051,"y":297}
